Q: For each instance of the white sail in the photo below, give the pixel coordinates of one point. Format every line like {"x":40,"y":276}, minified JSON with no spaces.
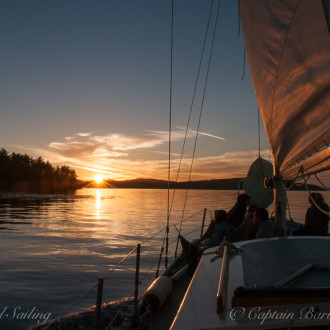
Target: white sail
{"x":288,"y":47}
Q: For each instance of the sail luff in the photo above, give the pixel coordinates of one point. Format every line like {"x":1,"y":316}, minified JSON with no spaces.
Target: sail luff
{"x":288,"y":47}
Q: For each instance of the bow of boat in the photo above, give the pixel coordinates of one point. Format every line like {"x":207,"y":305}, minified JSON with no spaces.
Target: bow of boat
{"x":268,"y":283}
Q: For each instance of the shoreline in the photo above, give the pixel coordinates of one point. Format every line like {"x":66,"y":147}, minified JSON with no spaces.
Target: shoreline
{"x":214,"y":184}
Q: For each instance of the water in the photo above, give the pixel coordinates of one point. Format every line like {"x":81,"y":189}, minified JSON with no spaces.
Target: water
{"x":53,"y":248}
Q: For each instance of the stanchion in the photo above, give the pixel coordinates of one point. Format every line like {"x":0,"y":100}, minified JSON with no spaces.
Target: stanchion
{"x":137,"y":280}
{"x":204,"y":215}
{"x":97,"y":322}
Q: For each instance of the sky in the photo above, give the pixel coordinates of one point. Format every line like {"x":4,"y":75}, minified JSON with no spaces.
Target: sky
{"x":87,"y":84}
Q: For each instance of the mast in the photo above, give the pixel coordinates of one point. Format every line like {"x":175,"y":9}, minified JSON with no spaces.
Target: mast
{"x":279,"y":202}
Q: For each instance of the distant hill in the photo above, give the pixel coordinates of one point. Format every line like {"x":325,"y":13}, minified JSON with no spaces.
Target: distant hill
{"x":220,"y":184}
{"x":216,"y":184}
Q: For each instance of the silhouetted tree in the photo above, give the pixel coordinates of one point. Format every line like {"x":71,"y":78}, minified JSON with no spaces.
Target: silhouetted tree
{"x":23,"y":173}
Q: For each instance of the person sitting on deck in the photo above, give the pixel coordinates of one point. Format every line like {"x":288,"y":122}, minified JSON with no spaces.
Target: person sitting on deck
{"x":266,"y":228}
{"x":222,"y":230}
{"x":210,"y":230}
{"x":316,"y":222}
{"x":247,"y":230}
{"x":237,"y":213}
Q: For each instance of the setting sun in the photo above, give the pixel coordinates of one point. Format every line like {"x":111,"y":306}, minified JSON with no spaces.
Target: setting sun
{"x":98,"y":178}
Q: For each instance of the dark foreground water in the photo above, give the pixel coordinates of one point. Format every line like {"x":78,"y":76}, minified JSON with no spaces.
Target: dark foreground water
{"x":54,"y":247}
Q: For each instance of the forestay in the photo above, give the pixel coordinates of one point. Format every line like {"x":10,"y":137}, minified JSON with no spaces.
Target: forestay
{"x":288,"y":47}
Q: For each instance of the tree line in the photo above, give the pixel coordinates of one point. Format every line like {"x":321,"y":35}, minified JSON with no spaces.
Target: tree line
{"x":22,"y":173}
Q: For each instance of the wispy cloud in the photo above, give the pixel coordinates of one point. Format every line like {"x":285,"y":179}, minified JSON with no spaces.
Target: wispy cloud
{"x":120,"y":156}
{"x":226,"y":165}
{"x":111,"y":145}
{"x":84,"y":134}
{"x":109,"y":154}
{"x":202,"y":133}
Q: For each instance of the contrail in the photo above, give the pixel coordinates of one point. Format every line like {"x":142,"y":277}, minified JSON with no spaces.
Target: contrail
{"x":202,"y":133}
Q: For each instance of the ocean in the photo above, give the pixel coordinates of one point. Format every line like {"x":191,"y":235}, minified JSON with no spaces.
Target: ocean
{"x":54,"y":247}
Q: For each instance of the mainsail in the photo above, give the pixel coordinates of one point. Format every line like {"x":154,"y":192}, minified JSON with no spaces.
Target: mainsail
{"x":288,"y":48}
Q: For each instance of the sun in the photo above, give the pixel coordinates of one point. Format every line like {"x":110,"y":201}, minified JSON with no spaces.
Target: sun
{"x":98,"y":178}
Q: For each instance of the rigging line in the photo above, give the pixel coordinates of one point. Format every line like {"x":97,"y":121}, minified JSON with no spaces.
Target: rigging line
{"x":160,"y":257}
{"x":295,"y":181}
{"x":179,"y":231}
{"x":202,"y":105}
{"x":158,"y":232}
{"x":169,"y":135}
{"x":239,"y":19}
{"x":119,"y":263}
{"x":302,"y":183}
{"x":151,"y":237}
{"x":193,"y":98}
{"x":258,"y":131}
{"x":204,"y":91}
{"x":183,"y":210}
{"x":311,"y":197}
{"x":244,"y":56}
{"x":321,"y":183}
{"x":192,"y":231}
{"x":288,"y":205}
{"x":187,"y":218}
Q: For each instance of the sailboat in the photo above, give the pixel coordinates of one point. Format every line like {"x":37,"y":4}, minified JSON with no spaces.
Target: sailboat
{"x":280,"y":282}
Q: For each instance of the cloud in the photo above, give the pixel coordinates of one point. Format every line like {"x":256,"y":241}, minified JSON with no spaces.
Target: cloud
{"x":111,"y":145}
{"x":164,"y":135}
{"x":202,"y":133}
{"x":125,"y":143}
{"x":122,"y":156}
{"x":227,"y":165}
{"x":109,"y":153}
{"x":83,"y":134}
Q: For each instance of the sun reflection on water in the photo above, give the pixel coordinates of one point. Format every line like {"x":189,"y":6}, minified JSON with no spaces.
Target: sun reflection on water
{"x":98,"y":205}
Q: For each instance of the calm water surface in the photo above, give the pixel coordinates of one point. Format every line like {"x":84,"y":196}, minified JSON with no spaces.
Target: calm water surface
{"x":54,"y":247}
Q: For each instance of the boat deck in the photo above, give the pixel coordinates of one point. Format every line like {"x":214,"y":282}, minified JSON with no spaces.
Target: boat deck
{"x":164,"y":317}
{"x":263,"y":264}
{"x":298,"y":253}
